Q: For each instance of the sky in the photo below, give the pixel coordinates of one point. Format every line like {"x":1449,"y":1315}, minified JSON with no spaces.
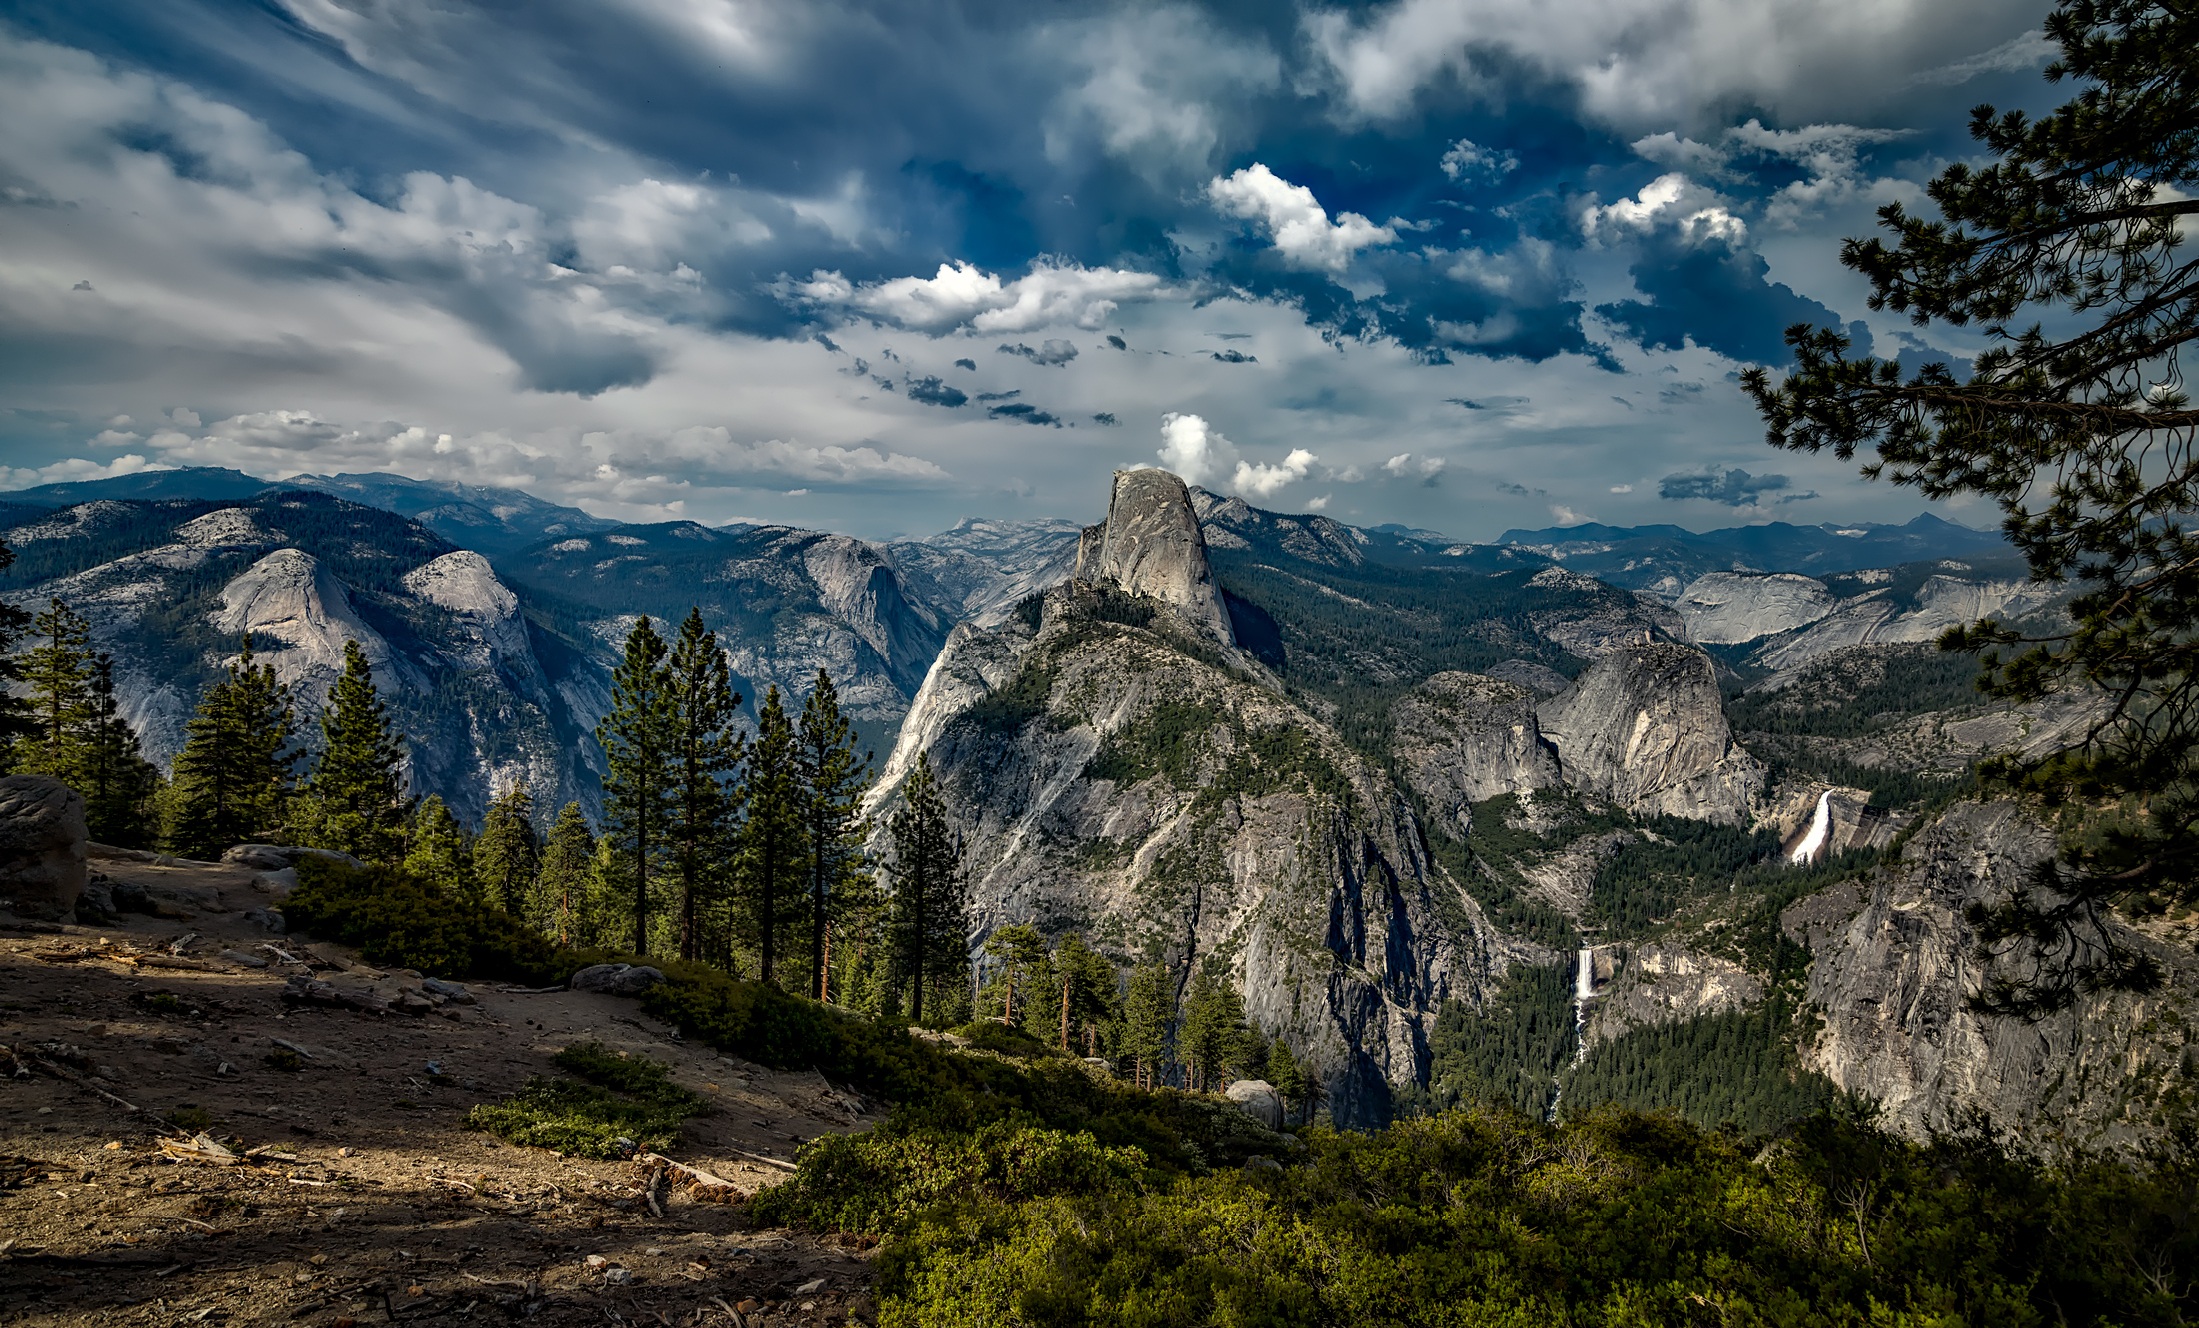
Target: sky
{"x":1465,"y":265}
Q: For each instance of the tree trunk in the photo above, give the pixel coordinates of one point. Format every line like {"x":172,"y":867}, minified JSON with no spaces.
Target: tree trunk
{"x":1065,"y":1012}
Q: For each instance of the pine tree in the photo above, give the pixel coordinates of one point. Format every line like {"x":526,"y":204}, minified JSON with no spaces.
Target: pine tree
{"x":2076,"y":422}
{"x":705,"y":752}
{"x":15,"y":720}
{"x":561,"y":888}
{"x":355,"y":799}
{"x":832,"y":780}
{"x":1214,"y":1034}
{"x":1148,"y":1008}
{"x":1023,"y":976}
{"x":771,"y":835}
{"x":930,"y":921}
{"x":119,"y":785}
{"x":508,"y":855}
{"x":637,"y":737}
{"x":1287,"y":1078}
{"x":232,"y":779}
{"x":1085,"y":980}
{"x":60,"y":676}
{"x":439,"y":849}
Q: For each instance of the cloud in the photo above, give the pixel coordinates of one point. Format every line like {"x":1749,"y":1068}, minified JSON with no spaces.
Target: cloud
{"x":962,"y":295}
{"x":1297,"y":224}
{"x":1053,"y":353}
{"x":1830,"y":156}
{"x":965,"y":364}
{"x":1023,"y":412}
{"x":2025,"y":50}
{"x":78,"y":468}
{"x":1670,"y":200}
{"x":1234,"y":356}
{"x":1466,"y":159}
{"x":932,"y":392}
{"x":1265,"y":481}
{"x":1730,"y":488}
{"x":1199,"y":453}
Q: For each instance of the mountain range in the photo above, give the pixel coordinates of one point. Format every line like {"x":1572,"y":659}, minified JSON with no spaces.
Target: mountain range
{"x":1411,"y":794}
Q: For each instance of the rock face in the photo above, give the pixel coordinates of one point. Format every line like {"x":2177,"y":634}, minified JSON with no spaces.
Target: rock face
{"x":1893,"y":967}
{"x":289,"y":596}
{"x":43,"y":865}
{"x":1258,"y":1099}
{"x":1461,"y":738}
{"x":1645,"y":728}
{"x":1660,"y":984}
{"x":465,"y":586}
{"x":979,"y":570}
{"x":1151,"y":544}
{"x":1723,"y":608}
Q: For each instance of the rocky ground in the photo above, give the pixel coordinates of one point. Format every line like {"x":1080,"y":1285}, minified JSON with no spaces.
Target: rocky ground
{"x":357,"y":1197}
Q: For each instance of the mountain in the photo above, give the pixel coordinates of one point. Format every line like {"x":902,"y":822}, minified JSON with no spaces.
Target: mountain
{"x":471,"y":516}
{"x":1664,"y":559}
{"x":170,"y":587}
{"x":190,"y":482}
{"x":978,"y":570}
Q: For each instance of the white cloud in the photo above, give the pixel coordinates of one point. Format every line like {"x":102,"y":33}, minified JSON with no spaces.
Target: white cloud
{"x":1670,"y":198}
{"x":655,"y":226}
{"x":1830,"y":154}
{"x":1319,"y":504}
{"x":1566,"y":516}
{"x":2025,"y":50}
{"x":1396,"y":464}
{"x":1466,"y":157}
{"x":1622,"y":488}
{"x":1296,"y":222}
{"x":1153,"y":86}
{"x":961,"y":294}
{"x":1198,"y":452}
{"x":77,"y":468}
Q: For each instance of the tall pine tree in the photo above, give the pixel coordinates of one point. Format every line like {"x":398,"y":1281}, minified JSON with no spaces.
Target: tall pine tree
{"x":15,"y":720}
{"x":567,"y":877}
{"x":930,"y":928}
{"x":232,"y":779}
{"x":706,"y":751}
{"x":833,"y":778}
{"x":355,"y":799}
{"x":439,"y":849}
{"x":508,"y":856}
{"x":771,"y":835}
{"x":59,"y":672}
{"x":638,"y":737}
{"x":1149,"y":1007}
{"x":118,"y":783}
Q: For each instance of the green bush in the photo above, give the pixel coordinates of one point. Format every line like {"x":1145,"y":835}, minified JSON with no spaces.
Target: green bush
{"x":400,"y":920}
{"x":1008,"y":1040}
{"x":620,"y":1104}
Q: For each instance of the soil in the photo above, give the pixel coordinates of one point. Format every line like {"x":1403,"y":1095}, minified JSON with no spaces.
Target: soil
{"x":369,"y":1203}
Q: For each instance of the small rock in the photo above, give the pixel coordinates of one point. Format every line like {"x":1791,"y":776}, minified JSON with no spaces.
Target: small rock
{"x":266,"y":918}
{"x":617,"y":1276}
{"x":240,"y":957}
{"x":114,"y":1146}
{"x":616,"y":979}
{"x":810,"y":1288}
{"x":595,"y":1263}
{"x":435,"y":1067}
{"x":449,"y":991}
{"x":343,"y":1152}
{"x":654,"y":1251}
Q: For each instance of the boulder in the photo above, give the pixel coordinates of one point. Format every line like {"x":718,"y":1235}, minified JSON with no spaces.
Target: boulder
{"x":616,"y":979}
{"x":282,"y":857}
{"x":43,"y":864}
{"x":1258,"y":1099}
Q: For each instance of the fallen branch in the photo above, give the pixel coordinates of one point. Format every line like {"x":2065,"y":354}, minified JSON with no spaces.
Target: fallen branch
{"x":708,"y":1187}
{"x":759,"y":1157}
{"x":81,"y":1082}
{"x":201,"y":1148}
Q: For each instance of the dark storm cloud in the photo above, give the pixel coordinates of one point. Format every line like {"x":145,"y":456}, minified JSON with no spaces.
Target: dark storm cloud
{"x":1717,"y":294}
{"x":932,"y":392}
{"x":1732,"y":488}
{"x":1053,"y":353}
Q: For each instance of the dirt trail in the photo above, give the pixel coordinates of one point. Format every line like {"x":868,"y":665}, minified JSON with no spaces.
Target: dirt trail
{"x":372,"y":1204}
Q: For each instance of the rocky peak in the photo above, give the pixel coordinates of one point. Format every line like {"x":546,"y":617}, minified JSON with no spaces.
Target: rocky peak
{"x":1644,"y":727}
{"x":1151,"y":545}
{"x":291,"y":597}
{"x":464,"y":585}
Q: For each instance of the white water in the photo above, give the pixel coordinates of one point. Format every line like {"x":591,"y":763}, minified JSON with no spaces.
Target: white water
{"x":1584,"y":991}
{"x":1820,"y":829}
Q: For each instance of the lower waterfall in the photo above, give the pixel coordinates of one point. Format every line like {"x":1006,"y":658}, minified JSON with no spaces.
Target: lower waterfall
{"x":1584,"y":991}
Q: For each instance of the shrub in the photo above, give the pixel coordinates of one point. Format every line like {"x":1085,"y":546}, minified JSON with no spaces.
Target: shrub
{"x":400,"y":920}
{"x":621,"y":1104}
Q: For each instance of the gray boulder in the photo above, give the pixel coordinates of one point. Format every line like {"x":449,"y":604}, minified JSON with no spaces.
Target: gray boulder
{"x":43,"y":865}
{"x":616,"y":979}
{"x":1258,"y":1099}
{"x":282,"y":857}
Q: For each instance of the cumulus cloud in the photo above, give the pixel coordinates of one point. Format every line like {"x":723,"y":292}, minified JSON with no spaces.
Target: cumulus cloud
{"x":1669,"y":200}
{"x":962,"y":295}
{"x":77,"y":468}
{"x":1467,"y":159}
{"x":1729,"y":488}
{"x":1296,"y":223}
{"x":1199,"y":453}
{"x":1829,"y":155}
{"x":1053,"y":353}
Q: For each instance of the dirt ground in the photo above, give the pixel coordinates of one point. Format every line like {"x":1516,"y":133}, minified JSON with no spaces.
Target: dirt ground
{"x":370,"y":1203}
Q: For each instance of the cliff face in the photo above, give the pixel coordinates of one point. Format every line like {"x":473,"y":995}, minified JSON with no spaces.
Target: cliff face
{"x":1644,"y":727}
{"x":1151,"y":545}
{"x":1462,"y":738}
{"x":1722,"y":608}
{"x":1893,"y":967}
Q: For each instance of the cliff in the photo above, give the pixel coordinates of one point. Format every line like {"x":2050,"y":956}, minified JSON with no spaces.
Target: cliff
{"x":1645,"y":728}
{"x":1151,"y":545}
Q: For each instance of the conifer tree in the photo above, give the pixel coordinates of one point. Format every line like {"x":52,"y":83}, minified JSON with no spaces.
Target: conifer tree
{"x":439,"y":849}
{"x":1085,"y":980}
{"x":15,"y":721}
{"x":1149,"y":1007}
{"x":567,"y":877}
{"x":832,"y":780}
{"x":232,"y":779}
{"x":638,"y":737}
{"x":60,"y":676}
{"x":1214,"y":1032}
{"x":771,"y":835}
{"x":706,"y":750}
{"x":355,"y":799}
{"x":118,"y":783}
{"x":1288,"y":1079}
{"x":1023,"y":976}
{"x":930,"y":926}
{"x":508,"y":855}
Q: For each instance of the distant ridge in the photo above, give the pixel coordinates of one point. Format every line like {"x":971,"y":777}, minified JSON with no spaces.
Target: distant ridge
{"x":1665,"y":558}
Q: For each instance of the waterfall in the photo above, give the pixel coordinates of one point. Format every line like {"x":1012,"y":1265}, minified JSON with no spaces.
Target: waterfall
{"x":1584,"y":976}
{"x":1820,"y":831}
{"x":1584,"y":991}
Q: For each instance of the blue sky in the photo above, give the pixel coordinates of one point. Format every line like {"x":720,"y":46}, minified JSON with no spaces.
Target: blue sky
{"x":1464,"y":264}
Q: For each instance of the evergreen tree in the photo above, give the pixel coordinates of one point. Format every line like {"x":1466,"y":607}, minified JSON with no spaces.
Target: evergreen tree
{"x":119,"y":785}
{"x":1287,"y":1078}
{"x":561,"y":888}
{"x":15,"y":720}
{"x":638,"y":737}
{"x":705,"y":752}
{"x":355,"y":799}
{"x":508,"y":855}
{"x":1214,"y":1035}
{"x":1022,"y":976}
{"x":60,"y":676}
{"x":771,"y":836}
{"x":440,"y":850}
{"x":1149,"y":1007}
{"x":232,"y":779}
{"x":930,"y":921}
{"x":1085,"y":980}
{"x":2084,"y":435}
{"x":832,"y":780}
